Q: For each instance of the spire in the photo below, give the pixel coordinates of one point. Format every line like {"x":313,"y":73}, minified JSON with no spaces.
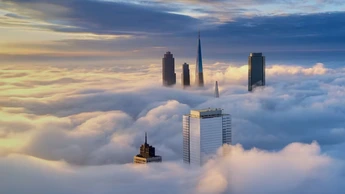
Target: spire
{"x":199,"y":77}
{"x":145,"y":138}
{"x":216,"y":91}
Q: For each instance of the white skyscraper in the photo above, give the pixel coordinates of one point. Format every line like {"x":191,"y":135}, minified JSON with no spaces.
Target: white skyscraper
{"x":204,"y":131}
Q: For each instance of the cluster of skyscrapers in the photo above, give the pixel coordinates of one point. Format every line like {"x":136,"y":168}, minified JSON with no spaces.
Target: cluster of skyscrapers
{"x":205,"y":130}
{"x":256,"y":70}
{"x":168,"y":70}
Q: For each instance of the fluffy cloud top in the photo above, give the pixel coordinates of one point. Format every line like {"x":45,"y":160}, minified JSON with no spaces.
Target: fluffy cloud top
{"x":297,"y":168}
{"x":76,"y":130}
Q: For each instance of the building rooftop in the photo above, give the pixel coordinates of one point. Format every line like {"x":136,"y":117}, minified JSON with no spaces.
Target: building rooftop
{"x":140,"y":156}
{"x":255,"y":54}
{"x":206,"y":112}
{"x":146,"y":150}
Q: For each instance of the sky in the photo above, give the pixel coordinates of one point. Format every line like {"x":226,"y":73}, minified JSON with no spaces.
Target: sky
{"x":81,"y":84}
{"x":130,"y":32}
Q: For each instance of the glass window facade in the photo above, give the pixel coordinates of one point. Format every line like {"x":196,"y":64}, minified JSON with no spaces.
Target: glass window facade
{"x":168,"y":69}
{"x":204,"y":131}
{"x":256,"y":70}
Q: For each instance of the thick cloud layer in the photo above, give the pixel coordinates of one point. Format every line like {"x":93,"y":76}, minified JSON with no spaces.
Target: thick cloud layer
{"x":76,"y":130}
{"x":298,"y":168}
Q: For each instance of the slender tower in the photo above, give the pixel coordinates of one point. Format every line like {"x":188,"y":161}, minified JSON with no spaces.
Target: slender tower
{"x":185,"y":78}
{"x":199,"y":76}
{"x":216,"y":91}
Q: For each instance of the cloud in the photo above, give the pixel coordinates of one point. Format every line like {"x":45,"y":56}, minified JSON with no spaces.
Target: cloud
{"x":158,"y":110}
{"x":12,"y":15}
{"x":104,"y":137}
{"x":310,"y":172}
{"x":105,"y":16}
{"x":82,"y":125}
{"x":89,"y":142}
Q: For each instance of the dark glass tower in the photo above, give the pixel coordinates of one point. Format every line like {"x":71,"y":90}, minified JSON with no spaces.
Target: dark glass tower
{"x":147,"y":154}
{"x":185,"y":77}
{"x":199,"y":76}
{"x":168,"y":69}
{"x":256,"y":70}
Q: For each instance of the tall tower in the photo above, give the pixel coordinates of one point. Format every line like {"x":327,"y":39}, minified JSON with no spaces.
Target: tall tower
{"x":199,"y":76}
{"x":185,"y":76}
{"x":256,"y":70}
{"x":216,"y":91}
{"x":204,"y":131}
{"x":147,"y":154}
{"x":168,"y":69}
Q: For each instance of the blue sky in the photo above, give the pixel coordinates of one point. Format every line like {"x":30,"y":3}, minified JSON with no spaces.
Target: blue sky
{"x":55,"y":30}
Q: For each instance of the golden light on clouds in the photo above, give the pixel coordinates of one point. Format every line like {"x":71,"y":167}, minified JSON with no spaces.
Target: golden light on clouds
{"x":65,"y":119}
{"x":14,"y":41}
{"x":26,"y":88}
{"x":12,"y":144}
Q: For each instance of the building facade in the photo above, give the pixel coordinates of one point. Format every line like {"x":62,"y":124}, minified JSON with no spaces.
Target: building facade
{"x":199,"y":75}
{"x":147,"y":154}
{"x":204,"y":131}
{"x":168,"y":69}
{"x":185,"y":76}
{"x":256,"y":70}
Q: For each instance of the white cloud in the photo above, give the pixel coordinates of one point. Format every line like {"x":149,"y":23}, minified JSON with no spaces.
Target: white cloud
{"x":80,"y":133}
{"x":297,"y":168}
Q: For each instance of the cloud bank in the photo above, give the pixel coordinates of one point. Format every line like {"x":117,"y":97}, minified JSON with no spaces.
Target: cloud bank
{"x":298,"y":168}
{"x":76,"y":130}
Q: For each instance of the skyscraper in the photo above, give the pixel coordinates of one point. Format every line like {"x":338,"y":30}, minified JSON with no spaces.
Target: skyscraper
{"x":199,"y":76}
{"x":168,"y":69}
{"x":216,"y":91}
{"x":204,"y":131}
{"x":256,"y":70}
{"x":185,"y":77}
{"x":147,"y":154}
